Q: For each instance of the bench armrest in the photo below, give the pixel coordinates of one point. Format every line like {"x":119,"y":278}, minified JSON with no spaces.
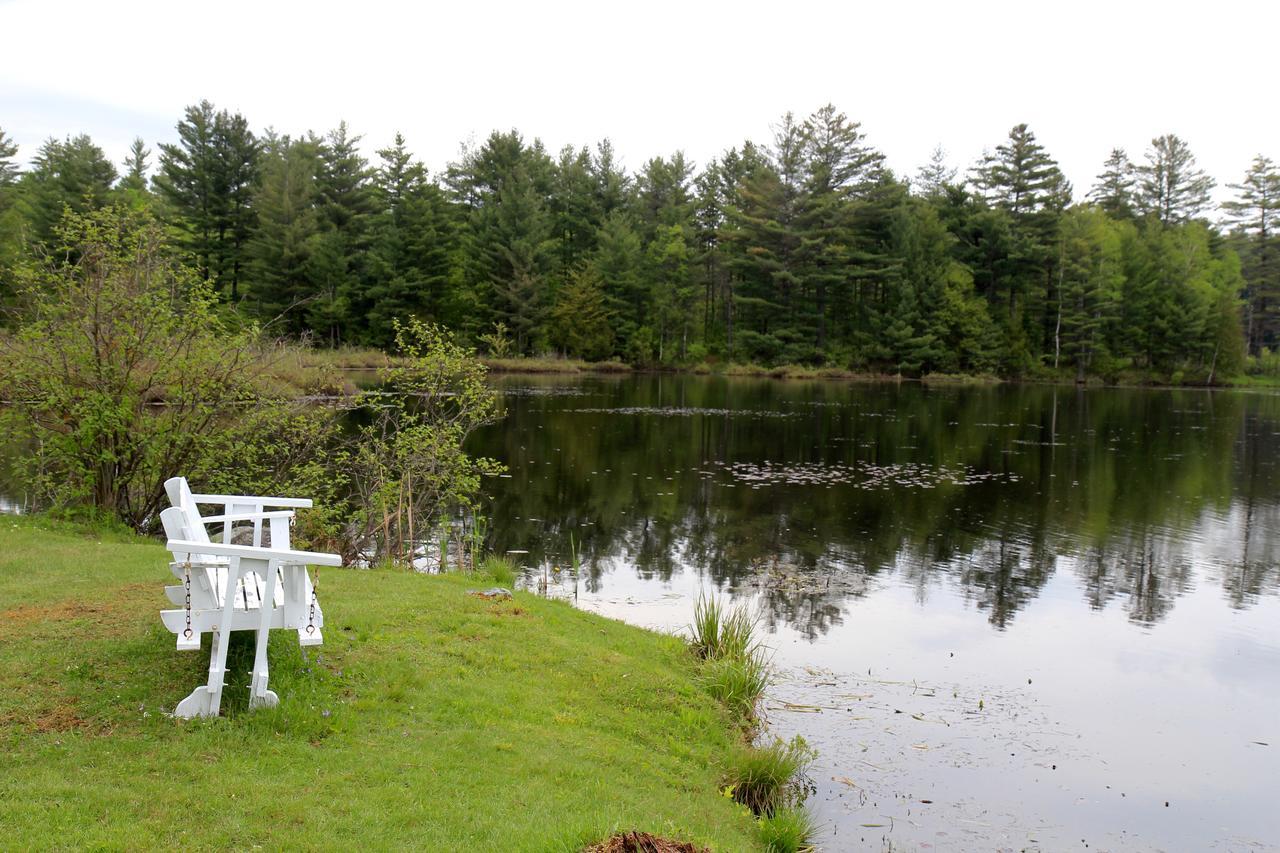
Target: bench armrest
{"x":296,"y":503}
{"x":217,"y":549}
{"x":246,"y":516}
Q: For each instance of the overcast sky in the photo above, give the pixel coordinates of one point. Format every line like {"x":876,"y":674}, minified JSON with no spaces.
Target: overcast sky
{"x":658,"y":76}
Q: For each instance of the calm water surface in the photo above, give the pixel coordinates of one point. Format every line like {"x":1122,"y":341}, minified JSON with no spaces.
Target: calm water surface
{"x":1007,"y":618}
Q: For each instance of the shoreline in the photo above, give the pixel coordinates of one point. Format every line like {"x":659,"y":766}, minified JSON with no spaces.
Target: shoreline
{"x":359,"y":360}
{"x":416,"y":724}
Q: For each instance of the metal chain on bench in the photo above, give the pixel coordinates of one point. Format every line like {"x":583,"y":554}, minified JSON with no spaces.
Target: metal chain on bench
{"x":311,"y":615}
{"x":186,"y":583}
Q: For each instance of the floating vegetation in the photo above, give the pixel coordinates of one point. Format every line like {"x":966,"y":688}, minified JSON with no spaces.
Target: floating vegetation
{"x":861,"y":475}
{"x":544,"y":391}
{"x":683,"y":412}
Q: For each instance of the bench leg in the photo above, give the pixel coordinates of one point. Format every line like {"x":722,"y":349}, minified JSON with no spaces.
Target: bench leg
{"x":259,"y":695}
{"x":206,"y":701}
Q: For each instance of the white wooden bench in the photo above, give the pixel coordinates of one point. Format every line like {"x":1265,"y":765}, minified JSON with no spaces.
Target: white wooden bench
{"x":228,"y":587}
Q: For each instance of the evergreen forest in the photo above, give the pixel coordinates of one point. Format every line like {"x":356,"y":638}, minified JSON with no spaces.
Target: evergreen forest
{"x":804,"y":249}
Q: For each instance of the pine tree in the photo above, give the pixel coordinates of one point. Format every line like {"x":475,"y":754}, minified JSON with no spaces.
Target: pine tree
{"x":1021,"y":177}
{"x":207,"y":180}
{"x":407,"y":265}
{"x":12,"y":223}
{"x":288,"y":227}
{"x":1022,"y":180}
{"x":933,"y":178}
{"x":135,"y":167}
{"x":612,"y":184}
{"x":664,"y":196}
{"x":188,"y":181}
{"x":1114,"y":190}
{"x":73,"y":173}
{"x":1170,"y":187}
{"x":1092,"y":276}
{"x":518,"y":244}
{"x":238,"y":152}
{"x":508,"y":244}
{"x":8,"y":168}
{"x":574,"y":206}
{"x":346,"y":201}
{"x":1253,"y":214}
{"x":619,"y":261}
{"x":579,"y":320}
{"x":846,"y":204}
{"x":673,"y":291}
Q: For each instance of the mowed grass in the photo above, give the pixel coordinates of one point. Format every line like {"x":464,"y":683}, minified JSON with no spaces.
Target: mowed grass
{"x":429,"y":719}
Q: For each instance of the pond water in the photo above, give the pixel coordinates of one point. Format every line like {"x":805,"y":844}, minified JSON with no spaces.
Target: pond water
{"x":1007,"y":617}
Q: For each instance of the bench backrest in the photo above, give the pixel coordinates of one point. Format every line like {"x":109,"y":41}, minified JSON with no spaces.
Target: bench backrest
{"x":181,"y":497}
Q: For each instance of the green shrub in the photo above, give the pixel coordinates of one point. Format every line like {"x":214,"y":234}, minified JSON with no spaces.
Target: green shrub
{"x":790,"y":829}
{"x":124,"y":371}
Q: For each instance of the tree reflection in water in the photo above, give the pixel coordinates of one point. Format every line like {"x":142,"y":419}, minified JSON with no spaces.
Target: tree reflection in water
{"x":1139,"y":493}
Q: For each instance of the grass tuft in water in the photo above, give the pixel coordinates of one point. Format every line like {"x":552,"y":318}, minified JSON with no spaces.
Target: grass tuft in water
{"x":768,"y":778}
{"x":735,"y":670}
{"x":719,"y":633}
{"x":738,"y":683}
{"x":790,"y":829}
{"x":501,"y":569}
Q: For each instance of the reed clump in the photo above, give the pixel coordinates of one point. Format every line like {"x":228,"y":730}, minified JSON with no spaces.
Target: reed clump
{"x":501,"y":569}
{"x":790,"y":829}
{"x":738,"y":683}
{"x":719,"y":632}
{"x":769,"y":777}
{"x":735,"y":670}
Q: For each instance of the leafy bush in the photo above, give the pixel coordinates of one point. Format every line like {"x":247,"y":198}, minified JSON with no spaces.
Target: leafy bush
{"x":124,"y":372}
{"x":1265,"y":363}
{"x":121,"y":369}
{"x":406,"y":464}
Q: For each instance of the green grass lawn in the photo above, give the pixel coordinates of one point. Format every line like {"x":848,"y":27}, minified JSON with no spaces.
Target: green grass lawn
{"x":428,"y":719}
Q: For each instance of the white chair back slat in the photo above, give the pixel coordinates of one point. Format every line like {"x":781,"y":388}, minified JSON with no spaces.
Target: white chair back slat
{"x":180,"y":496}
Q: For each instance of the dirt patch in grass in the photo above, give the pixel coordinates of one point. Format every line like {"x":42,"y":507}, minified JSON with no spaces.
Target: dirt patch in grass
{"x":62,"y":717}
{"x":499,"y":610}
{"x":643,"y":842}
{"x":114,"y":615}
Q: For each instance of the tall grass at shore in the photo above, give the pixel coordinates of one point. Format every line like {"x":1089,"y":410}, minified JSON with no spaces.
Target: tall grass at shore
{"x":765,"y":778}
{"x":790,"y":829}
{"x":719,"y":632}
{"x":501,"y":569}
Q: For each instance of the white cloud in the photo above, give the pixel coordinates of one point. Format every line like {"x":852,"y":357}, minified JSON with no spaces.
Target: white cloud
{"x":656,"y":76}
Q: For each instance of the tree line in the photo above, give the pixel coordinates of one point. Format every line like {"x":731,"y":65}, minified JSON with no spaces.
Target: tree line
{"x":807,"y":249}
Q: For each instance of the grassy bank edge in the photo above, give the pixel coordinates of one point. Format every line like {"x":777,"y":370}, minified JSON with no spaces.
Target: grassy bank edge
{"x":352,"y":358}
{"x":85,"y":673}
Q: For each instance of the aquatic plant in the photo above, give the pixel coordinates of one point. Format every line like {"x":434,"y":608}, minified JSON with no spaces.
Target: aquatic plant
{"x":501,"y":569}
{"x":769,"y":778}
{"x":738,"y":683}
{"x":735,"y":670}
{"x":718,"y":632}
{"x":790,"y":829}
